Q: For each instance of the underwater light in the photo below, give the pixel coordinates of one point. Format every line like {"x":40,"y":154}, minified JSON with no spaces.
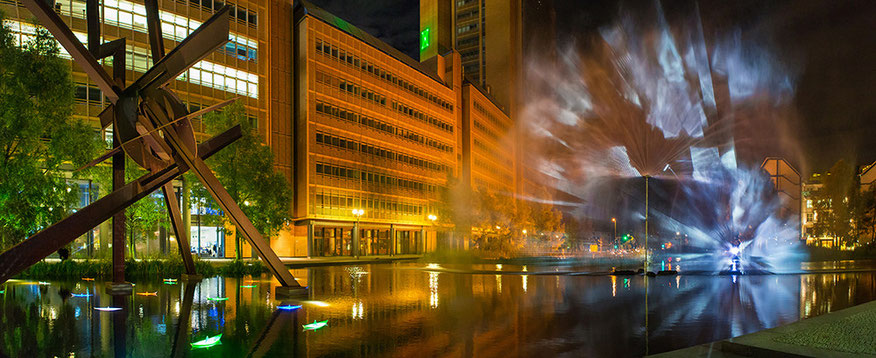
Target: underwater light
{"x":218,"y":298}
{"x":247,"y":286}
{"x":208,"y":342}
{"x":87,"y":279}
{"x":734,"y":250}
{"x":82,"y":294}
{"x":317,"y":303}
{"x":108,"y":309}
{"x":315,"y":325}
{"x":289,"y":307}
{"x":43,"y":283}
{"x":147,"y":293}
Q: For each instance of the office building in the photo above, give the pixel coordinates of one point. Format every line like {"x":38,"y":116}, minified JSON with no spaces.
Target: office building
{"x":375,"y":140}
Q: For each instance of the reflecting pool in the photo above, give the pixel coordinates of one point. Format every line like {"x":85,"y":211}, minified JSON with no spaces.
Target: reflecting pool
{"x":413,"y":309}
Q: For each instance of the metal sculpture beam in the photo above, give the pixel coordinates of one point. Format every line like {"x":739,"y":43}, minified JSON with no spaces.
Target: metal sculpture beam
{"x":151,"y":126}
{"x":45,"y":242}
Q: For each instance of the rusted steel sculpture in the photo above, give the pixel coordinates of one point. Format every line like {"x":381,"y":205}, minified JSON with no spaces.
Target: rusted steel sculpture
{"x":153,"y":129}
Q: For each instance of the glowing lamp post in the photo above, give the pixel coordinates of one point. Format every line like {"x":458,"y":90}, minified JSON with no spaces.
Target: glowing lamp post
{"x":432,"y":218}
{"x":358,"y":214}
{"x":614,"y":233}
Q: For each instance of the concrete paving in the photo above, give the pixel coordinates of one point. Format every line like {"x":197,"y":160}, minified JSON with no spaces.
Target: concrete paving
{"x":846,"y":333}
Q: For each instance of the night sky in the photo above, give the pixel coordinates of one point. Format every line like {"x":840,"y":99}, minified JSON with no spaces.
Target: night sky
{"x":832,"y":44}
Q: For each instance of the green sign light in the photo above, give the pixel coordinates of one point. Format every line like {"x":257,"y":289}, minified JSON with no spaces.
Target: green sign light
{"x":424,"y":39}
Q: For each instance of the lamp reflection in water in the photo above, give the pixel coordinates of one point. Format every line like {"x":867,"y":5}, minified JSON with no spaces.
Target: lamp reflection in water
{"x":433,"y":289}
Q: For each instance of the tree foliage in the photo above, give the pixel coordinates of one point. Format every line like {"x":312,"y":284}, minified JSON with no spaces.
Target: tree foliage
{"x":835,"y":203}
{"x":506,"y":226}
{"x":246,"y":169}
{"x":38,"y":137}
{"x":141,"y":218}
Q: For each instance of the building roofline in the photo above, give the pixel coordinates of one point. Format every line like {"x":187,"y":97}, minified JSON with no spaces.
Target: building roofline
{"x":467,"y":81}
{"x":784,"y":160}
{"x":302,"y":8}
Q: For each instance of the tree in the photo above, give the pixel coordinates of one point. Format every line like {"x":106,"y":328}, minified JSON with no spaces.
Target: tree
{"x":835,"y":203}
{"x":39,"y":140}
{"x":246,"y":169}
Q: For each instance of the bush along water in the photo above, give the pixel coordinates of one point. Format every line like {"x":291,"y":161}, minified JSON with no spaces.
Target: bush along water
{"x":138,"y":269}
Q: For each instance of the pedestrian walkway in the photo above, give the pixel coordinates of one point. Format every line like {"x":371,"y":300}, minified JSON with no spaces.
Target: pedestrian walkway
{"x":846,"y":333}
{"x":297,"y":262}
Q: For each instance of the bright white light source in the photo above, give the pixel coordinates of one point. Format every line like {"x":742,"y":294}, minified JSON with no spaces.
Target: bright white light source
{"x":734,"y":250}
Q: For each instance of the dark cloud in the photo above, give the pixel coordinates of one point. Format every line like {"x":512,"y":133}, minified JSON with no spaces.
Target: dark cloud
{"x":392,"y":21}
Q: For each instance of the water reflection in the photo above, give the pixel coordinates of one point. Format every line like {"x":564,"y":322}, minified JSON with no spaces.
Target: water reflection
{"x":396,"y":310}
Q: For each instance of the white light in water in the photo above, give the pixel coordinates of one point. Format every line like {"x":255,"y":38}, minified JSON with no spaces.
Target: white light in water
{"x":734,"y":250}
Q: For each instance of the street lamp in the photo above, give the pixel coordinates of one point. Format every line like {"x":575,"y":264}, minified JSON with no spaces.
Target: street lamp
{"x":432,"y":219}
{"x":358,"y":214}
{"x":614,"y":235}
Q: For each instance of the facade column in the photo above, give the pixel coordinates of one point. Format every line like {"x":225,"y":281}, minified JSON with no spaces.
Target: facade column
{"x":392,"y":240}
{"x":423,"y":240}
{"x":310,"y":239}
{"x":355,"y":236}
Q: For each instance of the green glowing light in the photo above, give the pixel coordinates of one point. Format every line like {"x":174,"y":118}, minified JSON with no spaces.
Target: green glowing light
{"x":247,"y":286}
{"x":208,"y":342}
{"x":218,"y":298}
{"x":424,"y":39}
{"x":315,"y":325}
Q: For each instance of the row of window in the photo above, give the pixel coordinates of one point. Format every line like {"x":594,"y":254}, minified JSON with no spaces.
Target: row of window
{"x":132,"y":16}
{"x":420,"y":116}
{"x":467,"y":42}
{"x":349,"y":144}
{"x":487,"y":131}
{"x":492,"y":152}
{"x":464,"y":15}
{"x":493,"y":170}
{"x":354,"y":61}
{"x":138,"y":59}
{"x":351,"y":88}
{"x":349,"y":115}
{"x":373,"y":178}
{"x":466,"y":28}
{"x":469,"y":55}
{"x":373,"y":207}
{"x":238,"y":12}
{"x":489,"y":115}
{"x":87,"y":94}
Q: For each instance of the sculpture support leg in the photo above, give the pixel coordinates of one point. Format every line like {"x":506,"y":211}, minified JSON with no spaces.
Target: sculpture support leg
{"x":178,"y":228}
{"x":118,"y":219}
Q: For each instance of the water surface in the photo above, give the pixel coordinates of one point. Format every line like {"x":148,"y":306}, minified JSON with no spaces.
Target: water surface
{"x":404,"y":309}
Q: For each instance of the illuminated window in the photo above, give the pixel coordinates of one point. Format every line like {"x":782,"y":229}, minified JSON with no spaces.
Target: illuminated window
{"x":129,"y":15}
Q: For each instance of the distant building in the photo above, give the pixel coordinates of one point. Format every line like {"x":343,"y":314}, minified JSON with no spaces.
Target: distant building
{"x":489,"y":149}
{"x":788,"y":185}
{"x":867,"y":177}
